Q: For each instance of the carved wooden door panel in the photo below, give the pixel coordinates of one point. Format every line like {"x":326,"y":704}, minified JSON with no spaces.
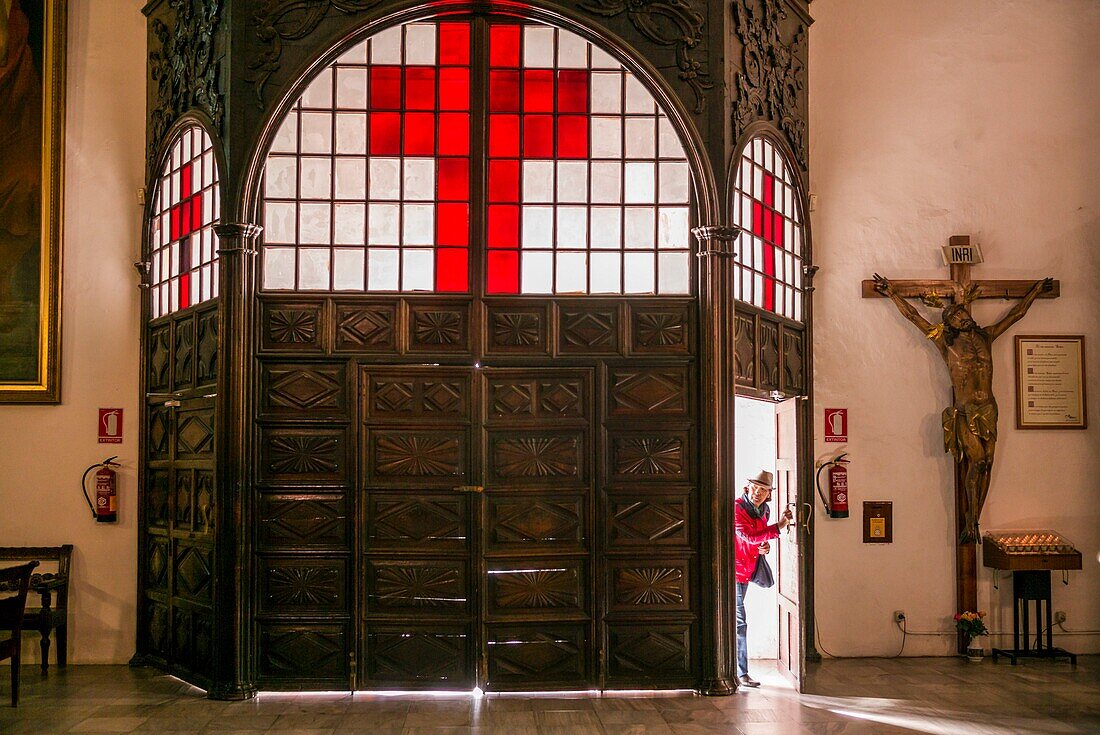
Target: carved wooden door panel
{"x":786,"y":469}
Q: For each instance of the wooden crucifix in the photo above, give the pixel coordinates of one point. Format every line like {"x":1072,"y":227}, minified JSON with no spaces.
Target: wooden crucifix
{"x":970,"y":422}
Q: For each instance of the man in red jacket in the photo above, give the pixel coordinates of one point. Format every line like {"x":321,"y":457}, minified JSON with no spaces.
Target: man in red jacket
{"x":752,"y":537}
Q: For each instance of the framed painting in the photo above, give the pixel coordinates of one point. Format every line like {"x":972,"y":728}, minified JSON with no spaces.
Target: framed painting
{"x":32,"y":117}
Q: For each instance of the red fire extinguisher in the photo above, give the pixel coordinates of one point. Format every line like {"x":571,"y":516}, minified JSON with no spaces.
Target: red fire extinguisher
{"x":105,"y":509}
{"x":837,"y":502}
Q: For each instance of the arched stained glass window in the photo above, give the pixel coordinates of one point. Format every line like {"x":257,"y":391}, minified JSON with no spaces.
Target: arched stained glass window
{"x":183,"y":247}
{"x":413,"y":163}
{"x":766,"y":206}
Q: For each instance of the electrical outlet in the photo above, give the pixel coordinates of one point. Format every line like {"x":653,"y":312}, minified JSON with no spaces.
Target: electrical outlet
{"x":899,"y":616}
{"x":1059,"y":616}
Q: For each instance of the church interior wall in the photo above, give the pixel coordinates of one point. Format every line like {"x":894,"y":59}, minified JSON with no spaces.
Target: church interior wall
{"x":927,"y":120}
{"x":930,"y":120}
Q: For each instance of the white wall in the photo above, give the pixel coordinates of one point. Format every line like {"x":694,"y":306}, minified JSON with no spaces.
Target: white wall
{"x":931,"y":119}
{"x":44,"y":449}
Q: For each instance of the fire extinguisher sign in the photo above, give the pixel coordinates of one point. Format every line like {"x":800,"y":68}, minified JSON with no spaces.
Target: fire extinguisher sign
{"x":110,"y":426}
{"x":836,"y":424}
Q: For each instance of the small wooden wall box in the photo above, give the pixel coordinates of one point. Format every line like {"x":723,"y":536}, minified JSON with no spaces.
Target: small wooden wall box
{"x":995,"y":556}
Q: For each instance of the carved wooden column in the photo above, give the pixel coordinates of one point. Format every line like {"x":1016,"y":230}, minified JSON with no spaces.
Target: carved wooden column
{"x":716,"y":428}
{"x":233,"y":667}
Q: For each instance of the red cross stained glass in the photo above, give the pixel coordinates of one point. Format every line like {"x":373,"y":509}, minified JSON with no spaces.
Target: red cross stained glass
{"x":769,"y":266}
{"x":183,"y":252}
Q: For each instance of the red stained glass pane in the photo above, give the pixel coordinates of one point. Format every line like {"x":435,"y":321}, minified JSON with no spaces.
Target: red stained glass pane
{"x":504,"y":45}
{"x":777,"y":229}
{"x":572,"y":91}
{"x":769,"y":190}
{"x":503,"y":226}
{"x":420,"y":134}
{"x":503,"y":135}
{"x":453,"y":179}
{"x":454,"y":89}
{"x":538,"y":136}
{"x":185,"y":290}
{"x":451,"y":269}
{"x":196,"y":214}
{"x":769,"y":294}
{"x":504,"y":90}
{"x":454,"y":43}
{"x":758,"y":219}
{"x":504,"y":181}
{"x":185,"y":181}
{"x":572,"y":136}
{"x":768,"y":221}
{"x":385,"y":133}
{"x":503,"y":275}
{"x":419,"y":88}
{"x":538,"y":90}
{"x":454,"y":133}
{"x":452,"y":224}
{"x":385,"y":87}
{"x":176,"y":219}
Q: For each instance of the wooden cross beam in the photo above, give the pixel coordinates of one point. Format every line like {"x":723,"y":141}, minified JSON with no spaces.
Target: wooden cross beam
{"x":958,"y":284}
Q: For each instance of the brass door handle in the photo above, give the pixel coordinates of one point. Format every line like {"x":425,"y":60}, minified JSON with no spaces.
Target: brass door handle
{"x":469,"y":489}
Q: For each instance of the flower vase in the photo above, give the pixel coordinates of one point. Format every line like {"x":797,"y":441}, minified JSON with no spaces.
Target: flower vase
{"x":974,"y":650}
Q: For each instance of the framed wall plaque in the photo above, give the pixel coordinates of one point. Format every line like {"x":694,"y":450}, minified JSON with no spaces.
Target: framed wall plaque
{"x":1050,"y":382}
{"x":32,"y":115}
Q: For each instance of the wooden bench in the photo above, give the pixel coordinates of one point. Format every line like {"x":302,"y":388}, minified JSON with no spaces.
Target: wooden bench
{"x":52,"y":616}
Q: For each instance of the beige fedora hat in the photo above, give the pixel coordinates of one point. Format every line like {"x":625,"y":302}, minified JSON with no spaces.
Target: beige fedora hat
{"x":764,"y":479}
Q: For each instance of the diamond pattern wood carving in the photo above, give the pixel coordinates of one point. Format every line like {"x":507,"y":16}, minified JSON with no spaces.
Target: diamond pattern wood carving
{"x":406,"y":521}
{"x":366,"y":328}
{"x":301,"y":652}
{"x":651,"y":391}
{"x":302,"y":520}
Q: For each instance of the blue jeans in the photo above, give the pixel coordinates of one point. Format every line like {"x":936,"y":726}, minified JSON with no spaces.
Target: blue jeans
{"x":742,"y":631}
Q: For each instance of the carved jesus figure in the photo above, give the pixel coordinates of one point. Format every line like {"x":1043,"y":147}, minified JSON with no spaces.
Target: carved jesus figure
{"x":970,"y":423}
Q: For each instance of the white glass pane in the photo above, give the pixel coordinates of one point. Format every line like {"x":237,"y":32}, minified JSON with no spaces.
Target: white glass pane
{"x":208,"y":204}
{"x":538,"y":223}
{"x":798,"y":309}
{"x":538,"y":47}
{"x":279,"y":222}
{"x":286,"y":140}
{"x":351,"y":89}
{"x":672,"y":227}
{"x":538,"y":181}
{"x":382,"y":269}
{"x":355,"y":55}
{"x":572,"y":51}
{"x":674,"y":182}
{"x":420,"y":179}
{"x":758,"y":150}
{"x":638,"y":273}
{"x":572,"y":181}
{"x":672,"y":272}
{"x":639,"y":183}
{"x":606,"y":272}
{"x":174,"y":292}
{"x":319,"y":92}
{"x":347,"y":270}
{"x":417,"y":270}
{"x":668,"y":143}
{"x":795,"y":241}
{"x":278,"y":267}
{"x":572,"y":273}
{"x":757,"y":253}
{"x":316,"y":178}
{"x":314,"y":222}
{"x":382,"y":224}
{"x":737,"y":284}
{"x":638,"y":98}
{"x":607,"y":182}
{"x":351,"y":178}
{"x":350,"y":223}
{"x":313,"y":269}
{"x":641,"y":137}
{"x":204,"y":280}
{"x":606,"y":230}
{"x":757,"y":183}
{"x":420,"y":43}
{"x":758,"y":290}
{"x":606,"y":91}
{"x":385,"y":178}
{"x":280,"y":177}
{"x":316,"y":132}
{"x":209,"y":169}
{"x":572,"y":227}
{"x":154,"y":272}
{"x":746,"y":212}
{"x":195,"y":245}
{"x":607,"y":137}
{"x":603,"y":60}
{"x":351,"y":132}
{"x":536,"y":273}
{"x":797,"y":273}
{"x":639,"y":227}
{"x":385,"y":47}
{"x":155,"y":302}
{"x":419,"y":224}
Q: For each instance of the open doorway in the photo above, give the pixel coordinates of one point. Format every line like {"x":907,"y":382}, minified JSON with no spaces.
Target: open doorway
{"x":757,"y":445}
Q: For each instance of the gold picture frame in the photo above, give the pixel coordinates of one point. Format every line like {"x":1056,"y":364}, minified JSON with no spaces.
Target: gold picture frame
{"x":1050,"y":382}
{"x":32,"y":121}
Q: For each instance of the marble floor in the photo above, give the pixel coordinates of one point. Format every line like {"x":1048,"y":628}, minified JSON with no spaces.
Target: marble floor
{"x":946,"y":696}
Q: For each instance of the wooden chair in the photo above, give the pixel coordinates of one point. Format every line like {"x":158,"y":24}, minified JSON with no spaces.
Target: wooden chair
{"x":11,"y":618}
{"x":52,"y":613}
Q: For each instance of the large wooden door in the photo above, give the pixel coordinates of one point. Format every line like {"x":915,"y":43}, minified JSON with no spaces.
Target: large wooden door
{"x":460,"y":492}
{"x":787,"y":496}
